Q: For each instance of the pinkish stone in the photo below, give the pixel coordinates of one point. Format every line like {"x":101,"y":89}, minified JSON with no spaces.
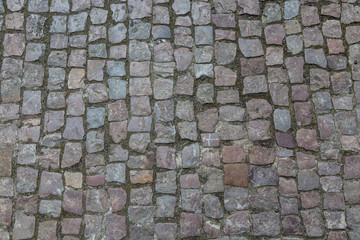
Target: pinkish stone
{"x":299,"y":92}
{"x":224,"y":20}
{"x":96,"y":180}
{"x":332,"y":9}
{"x":261,"y":155}
{"x":310,"y":199}
{"x":118,"y":131}
{"x":14,"y":44}
{"x":163,"y":52}
{"x":258,"y":108}
{"x":352,"y":167}
{"x":72,"y":154}
{"x":233,"y":154}
{"x":258,"y":130}
{"x":5,"y":212}
{"x":335,"y":46}
{"x":96,"y":201}
{"x":190,"y":225}
{"x":115,"y":226}
{"x":207,"y":120}
{"x":250,"y":7}
{"x":190,"y":181}
{"x":139,"y":69}
{"x":201,"y":13}
{"x":183,"y":58}
{"x":211,"y":159}
{"x":118,"y":198}
{"x":274,"y":34}
{"x":305,"y":161}
{"x":71,"y":226}
{"x":326,"y":126}
{"x":284,"y":140}
{"x":233,"y":132}
{"x":251,"y":47}
{"x":309,"y":15}
{"x":251,"y":66}
{"x":295,"y":67}
{"x":306,"y":138}
{"x":279,"y":94}
{"x":72,"y":202}
{"x":221,"y":34}
{"x":75,"y":104}
{"x":224,"y":76}
{"x":303,"y":113}
{"x":165,"y":157}
{"x":53,"y":120}
{"x":117,"y":111}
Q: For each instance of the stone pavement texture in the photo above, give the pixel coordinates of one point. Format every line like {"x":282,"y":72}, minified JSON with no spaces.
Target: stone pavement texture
{"x":179,"y":119}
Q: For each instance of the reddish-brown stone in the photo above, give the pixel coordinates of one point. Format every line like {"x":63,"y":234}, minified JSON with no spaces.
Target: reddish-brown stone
{"x":233,"y":154}
{"x":236,"y":174}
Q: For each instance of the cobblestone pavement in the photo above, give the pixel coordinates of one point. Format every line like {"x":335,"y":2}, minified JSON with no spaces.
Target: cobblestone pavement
{"x":179,"y":119}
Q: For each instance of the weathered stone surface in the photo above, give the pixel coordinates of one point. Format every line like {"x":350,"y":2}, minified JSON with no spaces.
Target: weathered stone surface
{"x":72,"y":202}
{"x":263,"y":176}
{"x":291,"y":225}
{"x":166,"y":182}
{"x":51,"y":183}
{"x":51,"y":208}
{"x":313,"y":37}
{"x":316,"y":57}
{"x":24,"y":227}
{"x":291,"y":9}
{"x":258,"y":108}
{"x":289,"y":206}
{"x":309,"y":15}
{"x":295,"y":66}
{"x":294,"y":44}
{"x":282,"y":120}
{"x":313,"y":222}
{"x":201,"y":13}
{"x":284,"y":140}
{"x":235,"y":199}
{"x":166,"y":230}
{"x":212,"y":207}
{"x":303,"y":113}
{"x":237,"y":223}
{"x":6,"y":212}
{"x":190,"y":156}
{"x":308,"y":180}
{"x":255,"y":84}
{"x":190,"y":225}
{"x":264,"y":199}
{"x":251,"y":47}
{"x":165,"y":206}
{"x":26,"y":179}
{"x":274,"y":34}
{"x":307,"y":139}
{"x":266,"y":224}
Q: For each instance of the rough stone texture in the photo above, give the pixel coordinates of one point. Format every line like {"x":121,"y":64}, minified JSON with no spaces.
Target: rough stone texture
{"x":159,"y":119}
